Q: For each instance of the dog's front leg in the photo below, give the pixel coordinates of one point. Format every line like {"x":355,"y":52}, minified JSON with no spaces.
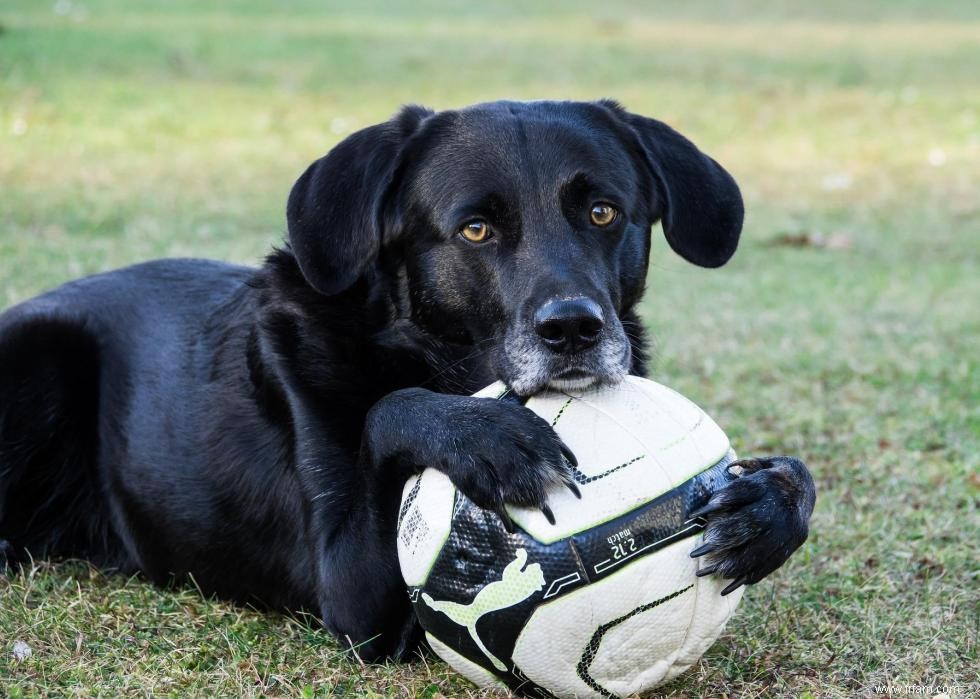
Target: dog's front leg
{"x":496,"y":452}
{"x":756,"y":521}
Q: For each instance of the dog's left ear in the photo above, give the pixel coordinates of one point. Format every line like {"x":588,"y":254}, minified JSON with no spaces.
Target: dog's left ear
{"x":335,"y":212}
{"x":697,"y":202}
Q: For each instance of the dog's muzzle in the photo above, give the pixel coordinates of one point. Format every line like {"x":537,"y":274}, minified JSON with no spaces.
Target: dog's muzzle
{"x":571,"y":345}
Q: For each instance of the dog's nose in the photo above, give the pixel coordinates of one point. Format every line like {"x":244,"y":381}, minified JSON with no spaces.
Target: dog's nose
{"x":569,"y":325}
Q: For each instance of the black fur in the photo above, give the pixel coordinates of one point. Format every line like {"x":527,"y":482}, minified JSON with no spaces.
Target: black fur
{"x":253,"y":427}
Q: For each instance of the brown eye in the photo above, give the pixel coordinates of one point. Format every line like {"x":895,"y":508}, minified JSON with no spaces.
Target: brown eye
{"x":602,"y":215}
{"x":476,"y":231}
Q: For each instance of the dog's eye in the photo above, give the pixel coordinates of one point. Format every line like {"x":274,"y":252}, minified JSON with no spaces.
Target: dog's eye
{"x":476,"y":231}
{"x":603,"y":214}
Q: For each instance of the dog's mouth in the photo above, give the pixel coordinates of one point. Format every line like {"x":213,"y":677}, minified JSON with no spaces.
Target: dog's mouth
{"x":528,"y":367}
{"x":573,"y":379}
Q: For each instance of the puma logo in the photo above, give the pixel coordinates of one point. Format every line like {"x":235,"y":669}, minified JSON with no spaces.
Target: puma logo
{"x":516,"y":584}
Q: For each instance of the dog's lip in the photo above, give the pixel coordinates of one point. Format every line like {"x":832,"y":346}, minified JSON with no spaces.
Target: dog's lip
{"x":573,"y":384}
{"x":574,"y":373}
{"x":572,"y":379}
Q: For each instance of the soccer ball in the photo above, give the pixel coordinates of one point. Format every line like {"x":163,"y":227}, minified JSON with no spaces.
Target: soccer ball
{"x":603,"y":603}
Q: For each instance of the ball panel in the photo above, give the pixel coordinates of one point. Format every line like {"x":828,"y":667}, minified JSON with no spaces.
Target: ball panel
{"x":634,"y":442}
{"x":485,"y":584}
{"x":630,"y":658}
{"x":678,"y":434}
{"x":464,"y":666}
{"x":615,"y":474}
{"x":711,"y":613}
{"x":553,"y":649}
{"x":424,"y":522}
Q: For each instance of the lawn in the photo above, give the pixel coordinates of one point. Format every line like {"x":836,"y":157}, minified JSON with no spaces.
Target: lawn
{"x":846,"y":330}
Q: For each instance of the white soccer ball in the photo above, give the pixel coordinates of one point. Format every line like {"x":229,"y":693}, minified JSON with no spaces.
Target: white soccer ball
{"x":605,"y":602}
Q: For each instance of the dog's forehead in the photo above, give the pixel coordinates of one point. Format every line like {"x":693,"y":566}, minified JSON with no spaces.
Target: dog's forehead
{"x":518,"y":146}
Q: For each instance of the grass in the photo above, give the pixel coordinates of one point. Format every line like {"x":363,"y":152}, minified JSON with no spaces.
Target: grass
{"x":136,"y":130}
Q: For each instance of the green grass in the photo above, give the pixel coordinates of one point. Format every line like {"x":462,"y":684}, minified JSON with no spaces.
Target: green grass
{"x":137,"y":130}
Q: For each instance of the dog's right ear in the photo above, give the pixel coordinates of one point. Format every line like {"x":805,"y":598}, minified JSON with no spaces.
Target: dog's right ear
{"x":335,"y":212}
{"x":697,"y":201}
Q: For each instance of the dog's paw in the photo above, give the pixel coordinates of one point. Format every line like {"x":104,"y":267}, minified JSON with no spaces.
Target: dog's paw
{"x":501,"y":453}
{"x":755,"y":522}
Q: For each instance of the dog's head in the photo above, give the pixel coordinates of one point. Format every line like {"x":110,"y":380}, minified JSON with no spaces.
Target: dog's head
{"x":521,"y":228}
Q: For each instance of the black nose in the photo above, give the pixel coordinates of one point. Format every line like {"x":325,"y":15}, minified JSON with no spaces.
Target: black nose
{"x":569,"y":325}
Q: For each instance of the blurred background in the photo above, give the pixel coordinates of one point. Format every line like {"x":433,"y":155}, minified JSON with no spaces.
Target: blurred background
{"x":845,"y":330}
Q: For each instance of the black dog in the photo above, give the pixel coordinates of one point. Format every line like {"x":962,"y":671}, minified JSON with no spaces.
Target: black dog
{"x":253,"y":428}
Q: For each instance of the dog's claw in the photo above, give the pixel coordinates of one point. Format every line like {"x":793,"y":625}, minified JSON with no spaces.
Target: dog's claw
{"x":574,"y":488}
{"x":567,"y":453}
{"x":706,"y":571}
{"x":735,"y":584}
{"x":701,"y":550}
{"x":506,"y":520}
{"x":710,"y":507}
{"x":548,"y":514}
{"x":745,"y":466}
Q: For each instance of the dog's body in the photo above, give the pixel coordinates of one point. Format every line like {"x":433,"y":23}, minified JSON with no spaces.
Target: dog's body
{"x":253,"y":428}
